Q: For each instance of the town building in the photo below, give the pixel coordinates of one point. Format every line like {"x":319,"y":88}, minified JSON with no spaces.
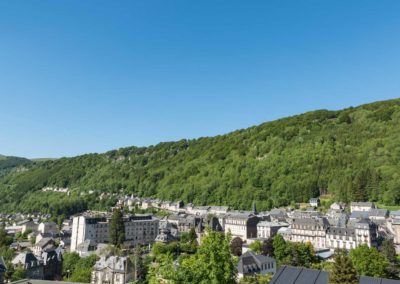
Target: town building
{"x":31,"y":264}
{"x":242,"y":225}
{"x":165,"y":236}
{"x":361,"y":206}
{"x":310,"y":230}
{"x":338,"y":206}
{"x":52,"y":265}
{"x":184,"y":222}
{"x":315,"y":202}
{"x":378,"y":215}
{"x":48,"y":228}
{"x":45,"y":244}
{"x":396,"y":230}
{"x":28,"y":225}
{"x":267,"y":229}
{"x":251,"y":263}
{"x":277,"y":215}
{"x":112,"y":270}
{"x":139,"y":229}
{"x":366,"y":233}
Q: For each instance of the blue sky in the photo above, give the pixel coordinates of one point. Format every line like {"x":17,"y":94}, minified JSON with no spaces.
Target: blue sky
{"x":90,"y":76}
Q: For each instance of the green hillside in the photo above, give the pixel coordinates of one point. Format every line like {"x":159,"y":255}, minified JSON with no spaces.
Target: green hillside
{"x":7,"y":163}
{"x":353,"y":154}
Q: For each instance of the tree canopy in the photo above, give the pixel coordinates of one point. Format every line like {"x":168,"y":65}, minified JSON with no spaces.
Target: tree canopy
{"x":352,"y":154}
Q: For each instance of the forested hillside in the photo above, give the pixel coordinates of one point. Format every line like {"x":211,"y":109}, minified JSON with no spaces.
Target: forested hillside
{"x":7,"y":163}
{"x":354,"y":154}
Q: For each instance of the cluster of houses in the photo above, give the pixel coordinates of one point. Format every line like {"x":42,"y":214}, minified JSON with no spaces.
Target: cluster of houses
{"x":88,"y":233}
{"x":340,"y":227}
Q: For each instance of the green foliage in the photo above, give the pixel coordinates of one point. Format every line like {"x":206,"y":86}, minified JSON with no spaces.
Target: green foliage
{"x":368,"y":261}
{"x":342,"y":270}
{"x":281,"y":250}
{"x":117,"y":228}
{"x":70,"y":260}
{"x":256,"y":246}
{"x":212,"y":263}
{"x":18,"y":274}
{"x":189,"y":237}
{"x":389,"y":251}
{"x":77,"y":269}
{"x":256,"y":279}
{"x":4,"y":239}
{"x":295,"y":254}
{"x":7,"y":163}
{"x":351,"y":154}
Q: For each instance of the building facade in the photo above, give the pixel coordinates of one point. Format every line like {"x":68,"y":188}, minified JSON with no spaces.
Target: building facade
{"x":112,"y":270}
{"x":139,"y":229}
{"x":243,"y":225}
{"x":361,"y":206}
{"x":310,"y":230}
{"x":250,"y":264}
{"x":267,"y":229}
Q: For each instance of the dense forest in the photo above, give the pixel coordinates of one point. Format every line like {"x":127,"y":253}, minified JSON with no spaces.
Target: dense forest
{"x":352,"y":154}
{"x":7,"y":163}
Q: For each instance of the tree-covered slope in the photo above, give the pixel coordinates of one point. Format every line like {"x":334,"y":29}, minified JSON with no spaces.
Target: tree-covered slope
{"x":353,"y":154}
{"x":7,"y":162}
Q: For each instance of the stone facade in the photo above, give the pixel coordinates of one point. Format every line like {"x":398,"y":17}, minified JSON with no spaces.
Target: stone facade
{"x":243,"y":226}
{"x":139,"y":229}
{"x":112,"y":270}
{"x":310,"y":230}
{"x":266,"y":229}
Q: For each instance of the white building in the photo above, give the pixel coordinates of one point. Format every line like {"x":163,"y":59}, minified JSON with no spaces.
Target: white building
{"x":267,"y":229}
{"x":310,"y":230}
{"x":139,"y":229}
{"x":315,"y":202}
{"x":361,"y":206}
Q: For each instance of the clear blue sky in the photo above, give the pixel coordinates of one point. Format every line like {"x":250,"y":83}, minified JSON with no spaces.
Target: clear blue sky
{"x":90,"y":76}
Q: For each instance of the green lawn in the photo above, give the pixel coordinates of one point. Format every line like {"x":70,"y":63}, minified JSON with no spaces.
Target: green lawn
{"x":388,"y":207}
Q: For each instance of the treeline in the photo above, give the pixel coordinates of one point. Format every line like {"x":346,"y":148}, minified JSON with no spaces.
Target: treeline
{"x":353,"y":154}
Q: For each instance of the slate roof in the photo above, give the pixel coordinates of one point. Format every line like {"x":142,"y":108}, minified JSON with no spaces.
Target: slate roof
{"x":272,"y":224}
{"x":87,"y":246}
{"x":115,"y":263}
{"x":298,"y":275}
{"x":359,"y":215}
{"x":312,"y":222}
{"x":25,"y":258}
{"x":364,"y":204}
{"x":370,"y":280}
{"x":250,"y":262}
{"x":378,"y":212}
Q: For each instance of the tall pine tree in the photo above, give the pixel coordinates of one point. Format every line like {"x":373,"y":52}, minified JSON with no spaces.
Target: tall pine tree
{"x":117,"y":228}
{"x":343,"y":270}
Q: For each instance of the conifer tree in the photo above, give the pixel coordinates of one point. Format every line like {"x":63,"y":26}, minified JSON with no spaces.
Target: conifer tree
{"x":117,"y":229}
{"x":343,"y":270}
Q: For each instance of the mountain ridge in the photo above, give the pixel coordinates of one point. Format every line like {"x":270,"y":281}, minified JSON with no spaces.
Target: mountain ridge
{"x":350,"y":153}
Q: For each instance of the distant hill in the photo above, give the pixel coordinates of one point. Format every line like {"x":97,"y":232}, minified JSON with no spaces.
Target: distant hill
{"x":351,"y":154}
{"x":8,"y":162}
